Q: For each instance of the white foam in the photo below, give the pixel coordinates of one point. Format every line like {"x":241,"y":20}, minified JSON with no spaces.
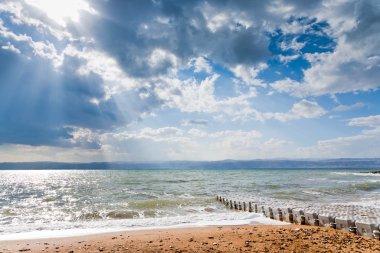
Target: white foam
{"x":53,"y":234}
{"x":228,"y":219}
{"x":362,"y":174}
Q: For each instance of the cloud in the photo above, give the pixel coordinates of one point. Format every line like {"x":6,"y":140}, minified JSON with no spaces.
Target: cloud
{"x":83,"y":81}
{"x":287,"y":58}
{"x":292,"y":45}
{"x":353,"y":65}
{"x":40,"y":105}
{"x":342,"y":108}
{"x":191,"y":95}
{"x":194,"y":122}
{"x":369,"y":121}
{"x":304,"y":109}
{"x":62,"y":12}
{"x":20,"y":14}
{"x":11,"y":47}
{"x":169,"y":143}
{"x":358,"y":146}
{"x":201,"y":64}
{"x":249,"y":74}
{"x":362,"y":145}
{"x":155,"y":134}
{"x":228,"y":34}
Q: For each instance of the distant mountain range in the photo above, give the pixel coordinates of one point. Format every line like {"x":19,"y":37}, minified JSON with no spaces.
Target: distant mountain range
{"x":373,"y":163}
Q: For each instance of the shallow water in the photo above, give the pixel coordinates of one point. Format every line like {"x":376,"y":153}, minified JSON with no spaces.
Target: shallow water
{"x":85,"y":200}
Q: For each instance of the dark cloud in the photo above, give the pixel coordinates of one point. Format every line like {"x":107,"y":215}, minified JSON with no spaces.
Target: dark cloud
{"x":131,"y":30}
{"x":39,"y":105}
{"x":368,"y":25}
{"x":301,"y":5}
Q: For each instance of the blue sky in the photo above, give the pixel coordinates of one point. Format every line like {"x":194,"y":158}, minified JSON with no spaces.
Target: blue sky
{"x":135,"y":80}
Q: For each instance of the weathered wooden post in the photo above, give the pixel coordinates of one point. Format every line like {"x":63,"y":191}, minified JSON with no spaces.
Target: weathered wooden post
{"x":250,"y":207}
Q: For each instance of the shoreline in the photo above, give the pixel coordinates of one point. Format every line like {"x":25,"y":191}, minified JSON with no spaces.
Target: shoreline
{"x":245,"y":219}
{"x":244,"y":238}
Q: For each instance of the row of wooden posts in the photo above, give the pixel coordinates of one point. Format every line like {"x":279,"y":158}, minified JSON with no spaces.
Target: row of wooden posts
{"x":368,"y":227}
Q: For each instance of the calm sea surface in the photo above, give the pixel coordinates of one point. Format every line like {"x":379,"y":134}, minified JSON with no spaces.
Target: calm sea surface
{"x":67,"y":202}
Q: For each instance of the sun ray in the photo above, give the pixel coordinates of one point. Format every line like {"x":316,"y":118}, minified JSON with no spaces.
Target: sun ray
{"x":62,"y":11}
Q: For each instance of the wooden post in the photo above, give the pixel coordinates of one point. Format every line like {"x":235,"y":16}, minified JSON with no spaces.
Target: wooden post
{"x":250,"y":207}
{"x":303,"y":220}
{"x":376,"y":234}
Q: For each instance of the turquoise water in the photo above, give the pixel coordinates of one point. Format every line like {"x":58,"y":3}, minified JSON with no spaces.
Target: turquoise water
{"x":38,"y":201}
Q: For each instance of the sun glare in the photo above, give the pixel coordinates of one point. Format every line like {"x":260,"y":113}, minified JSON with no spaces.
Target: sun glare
{"x":62,"y":10}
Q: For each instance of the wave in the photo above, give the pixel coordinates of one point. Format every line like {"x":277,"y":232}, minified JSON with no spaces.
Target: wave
{"x":273,"y":186}
{"x":90,"y":216}
{"x":159,"y":203}
{"x":49,"y":199}
{"x":97,"y":215}
{"x":123,"y":215}
{"x":362,"y":174}
{"x":177,"y":181}
{"x":8,"y":212}
{"x":367,"y":186}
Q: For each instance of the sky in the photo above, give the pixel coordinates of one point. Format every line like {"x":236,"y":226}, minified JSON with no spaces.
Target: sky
{"x":151,"y":80}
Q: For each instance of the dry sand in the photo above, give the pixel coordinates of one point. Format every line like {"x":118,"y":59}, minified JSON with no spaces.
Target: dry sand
{"x":255,"y":238}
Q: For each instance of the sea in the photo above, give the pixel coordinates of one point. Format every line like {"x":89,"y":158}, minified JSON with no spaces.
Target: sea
{"x":55,"y":203}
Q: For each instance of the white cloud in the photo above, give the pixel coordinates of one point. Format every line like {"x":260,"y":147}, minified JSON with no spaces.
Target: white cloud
{"x":370,"y":121}
{"x":280,"y":8}
{"x":114,"y":78}
{"x":192,"y":96}
{"x":62,"y":11}
{"x":236,"y":140}
{"x":26,"y":153}
{"x":167,"y":134}
{"x":286,"y":86}
{"x":218,"y":19}
{"x":195,"y":144}
{"x":358,"y":146}
{"x":166,"y":143}
{"x":11,"y":47}
{"x":342,"y":108}
{"x":194,"y":122}
{"x":84,"y":137}
{"x":196,"y":133}
{"x":43,"y":49}
{"x":159,"y":57}
{"x":21,"y":15}
{"x":201,"y":64}
{"x":287,"y":58}
{"x":304,"y":109}
{"x":248,"y":74}
{"x":362,"y":145}
{"x":292,"y":45}
{"x":47,"y":50}
{"x":188,"y":95}
{"x":354,"y":64}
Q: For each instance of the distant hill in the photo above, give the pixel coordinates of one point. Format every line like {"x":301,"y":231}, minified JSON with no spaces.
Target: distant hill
{"x":373,"y":163}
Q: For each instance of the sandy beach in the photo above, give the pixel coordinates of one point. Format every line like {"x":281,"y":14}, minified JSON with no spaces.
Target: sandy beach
{"x":249,"y":238}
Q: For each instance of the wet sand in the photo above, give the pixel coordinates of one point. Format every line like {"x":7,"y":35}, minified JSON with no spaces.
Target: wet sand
{"x":253,"y":238}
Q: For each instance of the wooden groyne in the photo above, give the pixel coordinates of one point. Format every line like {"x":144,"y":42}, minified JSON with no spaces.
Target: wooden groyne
{"x":364,"y":221}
